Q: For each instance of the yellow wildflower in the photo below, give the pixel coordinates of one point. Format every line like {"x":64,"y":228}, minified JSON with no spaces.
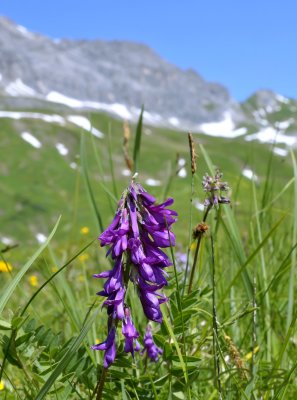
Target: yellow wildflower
{"x":84,"y":230}
{"x":5,"y":266}
{"x":81,"y":278}
{"x":97,"y":341}
{"x":2,"y":385}
{"x":249,"y":355}
{"x":54,"y":269}
{"x":33,"y":279}
{"x":83,"y":257}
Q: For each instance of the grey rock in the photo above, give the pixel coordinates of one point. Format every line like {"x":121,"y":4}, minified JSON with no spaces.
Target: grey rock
{"x":110,"y":72}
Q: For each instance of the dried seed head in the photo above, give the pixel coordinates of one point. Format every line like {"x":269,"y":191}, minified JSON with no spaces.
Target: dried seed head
{"x":235,"y":357}
{"x":126,"y":138}
{"x":200,"y":229}
{"x":193,"y":154}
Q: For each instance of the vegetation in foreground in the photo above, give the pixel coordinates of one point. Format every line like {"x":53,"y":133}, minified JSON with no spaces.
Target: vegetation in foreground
{"x":228,"y":327}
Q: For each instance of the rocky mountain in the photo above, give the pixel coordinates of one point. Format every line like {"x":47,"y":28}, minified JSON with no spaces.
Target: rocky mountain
{"x":51,"y":92}
{"x":117,"y":77}
{"x":108,"y":72}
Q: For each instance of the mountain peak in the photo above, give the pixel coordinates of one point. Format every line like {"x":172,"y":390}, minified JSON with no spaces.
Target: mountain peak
{"x":109,"y":72}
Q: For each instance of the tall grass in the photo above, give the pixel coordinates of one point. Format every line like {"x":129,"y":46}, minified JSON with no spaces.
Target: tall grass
{"x":231,"y":335}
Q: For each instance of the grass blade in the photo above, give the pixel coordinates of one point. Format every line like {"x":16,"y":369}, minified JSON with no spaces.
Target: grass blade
{"x":13,"y":284}
{"x":137,"y":141}
{"x":294,"y":257}
{"x":88,"y":184}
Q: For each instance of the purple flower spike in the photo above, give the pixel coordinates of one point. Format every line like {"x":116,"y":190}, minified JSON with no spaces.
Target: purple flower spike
{"x":135,"y":237}
{"x":153,"y":351}
{"x":109,"y":347}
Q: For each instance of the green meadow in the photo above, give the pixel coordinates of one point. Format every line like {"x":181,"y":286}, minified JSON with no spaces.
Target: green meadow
{"x":233,"y":336}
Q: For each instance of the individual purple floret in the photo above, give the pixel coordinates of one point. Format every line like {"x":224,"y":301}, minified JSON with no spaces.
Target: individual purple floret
{"x":214,"y":186}
{"x":136,"y":235}
{"x":109,"y":347}
{"x":130,"y":333}
{"x":153,"y":351}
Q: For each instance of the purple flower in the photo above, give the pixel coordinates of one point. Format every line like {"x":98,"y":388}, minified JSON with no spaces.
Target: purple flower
{"x":109,"y":347}
{"x":138,"y":231}
{"x":214,"y":186}
{"x":181,"y":261}
{"x":153,"y":351}
{"x":130,"y":333}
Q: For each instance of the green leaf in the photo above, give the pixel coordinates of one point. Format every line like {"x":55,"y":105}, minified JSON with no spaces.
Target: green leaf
{"x":67,"y":358}
{"x":4,"y":325}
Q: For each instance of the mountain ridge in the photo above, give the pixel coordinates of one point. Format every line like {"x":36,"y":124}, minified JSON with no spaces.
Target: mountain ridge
{"x":110,"y":72}
{"x":117,"y":77}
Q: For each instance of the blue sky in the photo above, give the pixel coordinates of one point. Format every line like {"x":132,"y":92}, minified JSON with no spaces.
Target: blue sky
{"x":245,"y":45}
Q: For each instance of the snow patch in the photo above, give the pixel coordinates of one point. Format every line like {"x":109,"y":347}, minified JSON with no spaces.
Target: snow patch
{"x":28,"y":115}
{"x":283,"y":125}
{"x":240,"y":131}
{"x":57,"y":97}
{"x":149,"y":118}
{"x":174,"y":121}
{"x":270,"y":135}
{"x":282,"y":99}
{"x":18,"y":88}
{"x":85,"y":124}
{"x":24,"y":31}
{"x":273,"y":108}
{"x":249,"y":174}
{"x":41,"y":238}
{"x":115,"y":108}
{"x":121,"y":110}
{"x":6,"y":240}
{"x":152,"y":182}
{"x":62,"y":149}
{"x":181,"y":162}
{"x":31,"y":140}
{"x":182,"y":173}
{"x":223,"y":128}
{"x":118,"y":109}
{"x":280,"y":152}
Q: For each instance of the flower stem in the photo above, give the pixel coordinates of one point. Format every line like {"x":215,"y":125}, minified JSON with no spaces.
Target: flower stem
{"x":215,"y":325}
{"x":190,"y":234}
{"x":197,"y":252}
{"x":101,"y":384}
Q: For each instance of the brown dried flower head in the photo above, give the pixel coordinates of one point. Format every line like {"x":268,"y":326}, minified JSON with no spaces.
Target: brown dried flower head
{"x":200,"y":229}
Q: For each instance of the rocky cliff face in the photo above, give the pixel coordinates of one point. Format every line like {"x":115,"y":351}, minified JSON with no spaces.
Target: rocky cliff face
{"x":108,"y":72}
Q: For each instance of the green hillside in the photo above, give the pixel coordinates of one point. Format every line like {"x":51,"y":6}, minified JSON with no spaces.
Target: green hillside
{"x":38,"y":184}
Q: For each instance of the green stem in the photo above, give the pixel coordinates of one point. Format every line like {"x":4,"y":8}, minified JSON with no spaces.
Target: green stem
{"x":190,"y":235}
{"x":197,"y":252}
{"x":101,"y":384}
{"x":215,"y":324}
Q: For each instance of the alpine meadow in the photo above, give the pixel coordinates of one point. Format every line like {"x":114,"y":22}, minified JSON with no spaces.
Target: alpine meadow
{"x":143,"y":259}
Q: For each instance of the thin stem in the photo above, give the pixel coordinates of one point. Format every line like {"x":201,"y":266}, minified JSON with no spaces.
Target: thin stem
{"x":215,"y":324}
{"x":190,"y":235}
{"x":101,"y":384}
{"x":197,"y":252}
{"x":254,"y":338}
